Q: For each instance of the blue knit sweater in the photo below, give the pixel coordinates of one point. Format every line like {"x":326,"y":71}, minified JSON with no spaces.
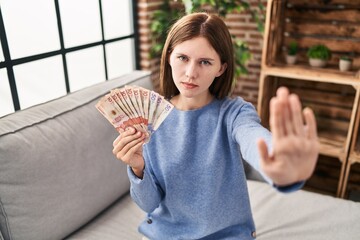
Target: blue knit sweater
{"x":194,"y":184}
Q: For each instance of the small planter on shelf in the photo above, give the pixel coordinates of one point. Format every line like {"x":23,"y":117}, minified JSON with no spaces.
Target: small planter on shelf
{"x":291,"y":55}
{"x":345,"y":63}
{"x":318,"y":55}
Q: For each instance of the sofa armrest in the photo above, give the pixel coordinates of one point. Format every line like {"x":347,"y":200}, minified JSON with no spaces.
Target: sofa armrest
{"x":56,"y":164}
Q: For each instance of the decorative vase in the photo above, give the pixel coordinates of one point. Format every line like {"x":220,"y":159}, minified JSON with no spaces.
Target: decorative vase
{"x":344,"y":65}
{"x":291,"y":59}
{"x":314,"y":62}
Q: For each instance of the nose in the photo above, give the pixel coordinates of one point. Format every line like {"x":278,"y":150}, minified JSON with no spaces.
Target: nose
{"x":191,"y":70}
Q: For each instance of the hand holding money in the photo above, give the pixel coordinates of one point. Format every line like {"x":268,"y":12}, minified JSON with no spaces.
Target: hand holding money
{"x":128,"y":148}
{"x":136,"y":113}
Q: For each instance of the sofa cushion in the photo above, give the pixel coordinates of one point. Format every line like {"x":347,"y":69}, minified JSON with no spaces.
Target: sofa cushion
{"x":56,"y":164}
{"x":294,"y":216}
{"x":118,"y":222}
{"x":302,"y":215}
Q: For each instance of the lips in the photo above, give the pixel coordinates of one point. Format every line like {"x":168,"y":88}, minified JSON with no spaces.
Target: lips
{"x":189,"y":85}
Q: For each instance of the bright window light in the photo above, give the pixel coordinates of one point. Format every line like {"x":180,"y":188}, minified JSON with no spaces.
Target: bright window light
{"x":40,"y":81}
{"x":31,"y":27}
{"x":80,"y":22}
{"x":85,"y":67}
{"x":117,"y":18}
{"x":120,"y":58}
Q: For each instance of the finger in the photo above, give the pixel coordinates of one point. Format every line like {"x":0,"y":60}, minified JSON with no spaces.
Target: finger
{"x":127,"y":132}
{"x":132,"y":151}
{"x":282,"y":91}
{"x":276,"y":121}
{"x":311,"y":123}
{"x":297,"y":118}
{"x":263,"y":151}
{"x":285,"y":112}
{"x":123,"y":139}
{"x":116,"y":141}
{"x":138,"y":137}
{"x":127,"y":156}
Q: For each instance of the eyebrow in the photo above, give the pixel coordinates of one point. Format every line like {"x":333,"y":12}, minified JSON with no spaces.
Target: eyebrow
{"x":207,"y":59}
{"x":201,"y":59}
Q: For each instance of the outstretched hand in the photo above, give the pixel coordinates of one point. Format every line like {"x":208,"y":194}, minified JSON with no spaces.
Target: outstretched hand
{"x":295,"y":144}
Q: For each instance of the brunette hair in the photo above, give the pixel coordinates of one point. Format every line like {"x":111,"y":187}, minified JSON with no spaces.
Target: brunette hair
{"x":216,"y":32}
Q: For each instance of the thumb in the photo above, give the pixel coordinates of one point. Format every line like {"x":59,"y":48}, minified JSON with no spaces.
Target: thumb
{"x":263,"y":151}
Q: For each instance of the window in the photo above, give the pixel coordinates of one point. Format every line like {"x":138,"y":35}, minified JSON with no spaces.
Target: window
{"x":51,"y":48}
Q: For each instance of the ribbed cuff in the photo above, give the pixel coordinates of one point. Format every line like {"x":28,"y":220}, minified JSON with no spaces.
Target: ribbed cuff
{"x":290,"y":188}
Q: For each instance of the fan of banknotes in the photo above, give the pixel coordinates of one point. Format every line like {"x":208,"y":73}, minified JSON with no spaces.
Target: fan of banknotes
{"x":134,"y":106}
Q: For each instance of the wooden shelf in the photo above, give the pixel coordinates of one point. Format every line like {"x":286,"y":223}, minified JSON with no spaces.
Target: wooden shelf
{"x":352,"y":185}
{"x":354,"y":157}
{"x":332,"y":144}
{"x":333,"y":105}
{"x":325,"y":177}
{"x":305,"y":72}
{"x":333,"y":95}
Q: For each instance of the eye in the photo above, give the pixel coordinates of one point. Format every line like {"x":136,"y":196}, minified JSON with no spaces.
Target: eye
{"x":182,"y":58}
{"x":205,"y":62}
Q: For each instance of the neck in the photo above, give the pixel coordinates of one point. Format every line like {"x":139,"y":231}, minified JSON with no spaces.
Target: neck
{"x":185,"y":103}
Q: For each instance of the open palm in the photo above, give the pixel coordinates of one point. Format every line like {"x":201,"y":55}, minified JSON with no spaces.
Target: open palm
{"x":295,"y":144}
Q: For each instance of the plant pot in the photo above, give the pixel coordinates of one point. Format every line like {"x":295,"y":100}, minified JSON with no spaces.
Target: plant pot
{"x":314,"y":62}
{"x":344,"y":65}
{"x":291,"y":59}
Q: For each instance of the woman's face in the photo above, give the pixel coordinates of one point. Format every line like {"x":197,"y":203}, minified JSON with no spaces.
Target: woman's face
{"x":195,"y":64}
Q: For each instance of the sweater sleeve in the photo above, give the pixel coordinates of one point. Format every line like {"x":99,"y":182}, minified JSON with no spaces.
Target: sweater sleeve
{"x":145,"y":192}
{"x":247,"y":129}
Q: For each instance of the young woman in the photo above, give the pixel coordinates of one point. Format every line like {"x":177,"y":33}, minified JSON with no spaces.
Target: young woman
{"x":190,"y":178}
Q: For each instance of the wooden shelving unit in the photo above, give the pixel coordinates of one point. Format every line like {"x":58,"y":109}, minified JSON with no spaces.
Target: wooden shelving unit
{"x":332,"y":94}
{"x":354,"y":156}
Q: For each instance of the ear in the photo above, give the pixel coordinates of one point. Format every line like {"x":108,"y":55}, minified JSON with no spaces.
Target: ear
{"x":222,"y":70}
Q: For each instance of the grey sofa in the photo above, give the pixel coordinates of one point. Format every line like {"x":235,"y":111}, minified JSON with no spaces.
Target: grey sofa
{"x":59,"y":180}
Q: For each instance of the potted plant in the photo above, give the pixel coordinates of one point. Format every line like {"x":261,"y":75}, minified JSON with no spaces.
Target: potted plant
{"x":318,"y":55}
{"x":292,"y":53}
{"x":345,"y":63}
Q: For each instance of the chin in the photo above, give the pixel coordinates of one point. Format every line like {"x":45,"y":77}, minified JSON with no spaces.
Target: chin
{"x":188,"y":95}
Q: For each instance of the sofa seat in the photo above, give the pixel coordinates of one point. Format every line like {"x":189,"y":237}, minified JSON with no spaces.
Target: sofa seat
{"x":119,"y":222}
{"x":301,"y":215}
